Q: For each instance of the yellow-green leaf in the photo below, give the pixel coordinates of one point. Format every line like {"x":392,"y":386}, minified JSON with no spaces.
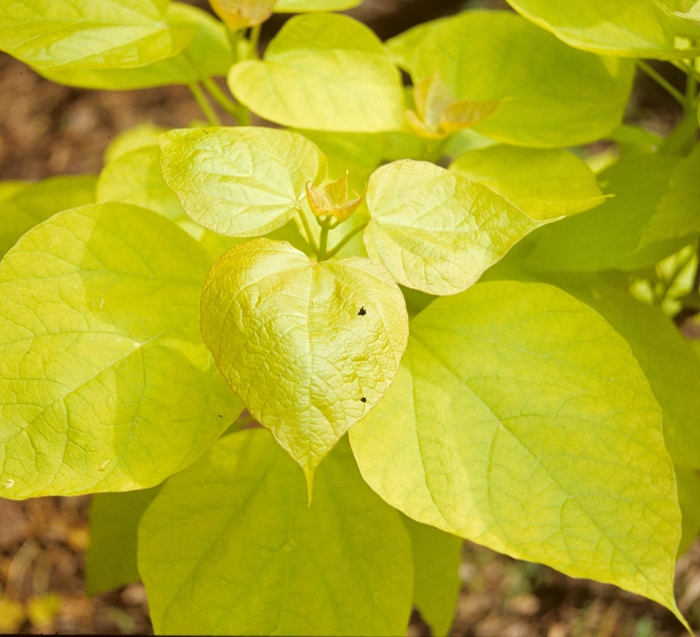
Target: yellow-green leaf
{"x":207,"y":54}
{"x":110,"y":560}
{"x":608,"y":237}
{"x":435,"y":230}
{"x":230,"y":546}
{"x":309,"y":347}
{"x":543,"y":183}
{"x":105,"y":383}
{"x":323,"y":72}
{"x":85,"y":34}
{"x":239,"y":181}
{"x":678,"y":212}
{"x":135,"y":178}
{"x":494,"y":55}
{"x":22,"y":206}
{"x":520,"y":420}
{"x":639,"y":29}
{"x":436,"y":559}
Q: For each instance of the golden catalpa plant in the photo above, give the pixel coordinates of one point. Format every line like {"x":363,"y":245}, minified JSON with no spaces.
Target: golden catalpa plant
{"x":298,"y":364}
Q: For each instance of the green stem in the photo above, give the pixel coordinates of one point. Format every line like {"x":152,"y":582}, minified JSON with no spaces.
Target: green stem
{"x":204,"y":104}
{"x":339,"y":246}
{"x":307,"y":229}
{"x":254,"y":40}
{"x":323,"y":239}
{"x":219,"y":96}
{"x":662,"y":81}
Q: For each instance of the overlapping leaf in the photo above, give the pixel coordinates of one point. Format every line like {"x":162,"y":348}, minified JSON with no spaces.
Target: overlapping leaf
{"x":639,"y":29}
{"x":435,"y":230}
{"x":521,"y":420}
{"x":500,"y":56}
{"x":309,"y":347}
{"x":110,"y":560}
{"x":135,"y":178}
{"x":207,"y":54}
{"x":239,"y":181}
{"x":22,"y":206}
{"x":84,"y":34}
{"x":543,"y":183}
{"x":436,"y":560}
{"x":326,"y":72}
{"x":105,"y":383}
{"x":678,"y":212}
{"x":608,"y":236}
{"x":230,"y":546}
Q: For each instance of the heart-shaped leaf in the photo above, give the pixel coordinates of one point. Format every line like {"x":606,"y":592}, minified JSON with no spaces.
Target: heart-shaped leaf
{"x":435,"y":230}
{"x":309,"y":347}
{"x":240,"y":182}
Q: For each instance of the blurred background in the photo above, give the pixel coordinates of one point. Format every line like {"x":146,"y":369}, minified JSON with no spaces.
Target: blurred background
{"x":47,"y":130}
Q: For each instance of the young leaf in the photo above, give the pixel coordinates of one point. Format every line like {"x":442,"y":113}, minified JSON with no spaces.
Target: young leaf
{"x":303,"y":6}
{"x":207,"y":54}
{"x":326,"y":72}
{"x":608,"y":236}
{"x":309,"y":347}
{"x":110,"y":560}
{"x":436,"y":560}
{"x":105,"y":383}
{"x":543,"y":183}
{"x":580,"y":98}
{"x":240,"y":182}
{"x":26,"y":205}
{"x":435,"y":230}
{"x":639,"y":29}
{"x":84,"y":34}
{"x":520,"y":420}
{"x":678,"y":212}
{"x":231,"y":546}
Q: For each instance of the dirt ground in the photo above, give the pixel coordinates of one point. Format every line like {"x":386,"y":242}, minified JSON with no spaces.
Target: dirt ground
{"x":47,"y":130}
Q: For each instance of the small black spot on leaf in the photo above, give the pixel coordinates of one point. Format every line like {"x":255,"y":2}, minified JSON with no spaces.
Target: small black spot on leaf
{"x":363,"y":399}
{"x":220,"y":416}
{"x":362,"y":312}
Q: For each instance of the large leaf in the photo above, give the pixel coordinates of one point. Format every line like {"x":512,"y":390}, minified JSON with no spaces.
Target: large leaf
{"x":323,"y":72}
{"x":435,"y":230}
{"x":309,"y":347}
{"x":608,"y":236}
{"x":22,"y":206}
{"x":639,"y":29}
{"x":678,"y":212}
{"x":230,"y":546}
{"x":105,"y":383}
{"x":110,"y":560}
{"x":520,"y":420}
{"x":670,"y":365}
{"x":436,"y":559}
{"x":207,"y":54}
{"x":543,"y":183}
{"x":302,"y":6}
{"x":239,"y":181}
{"x":552,"y":95}
{"x":84,"y":34}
